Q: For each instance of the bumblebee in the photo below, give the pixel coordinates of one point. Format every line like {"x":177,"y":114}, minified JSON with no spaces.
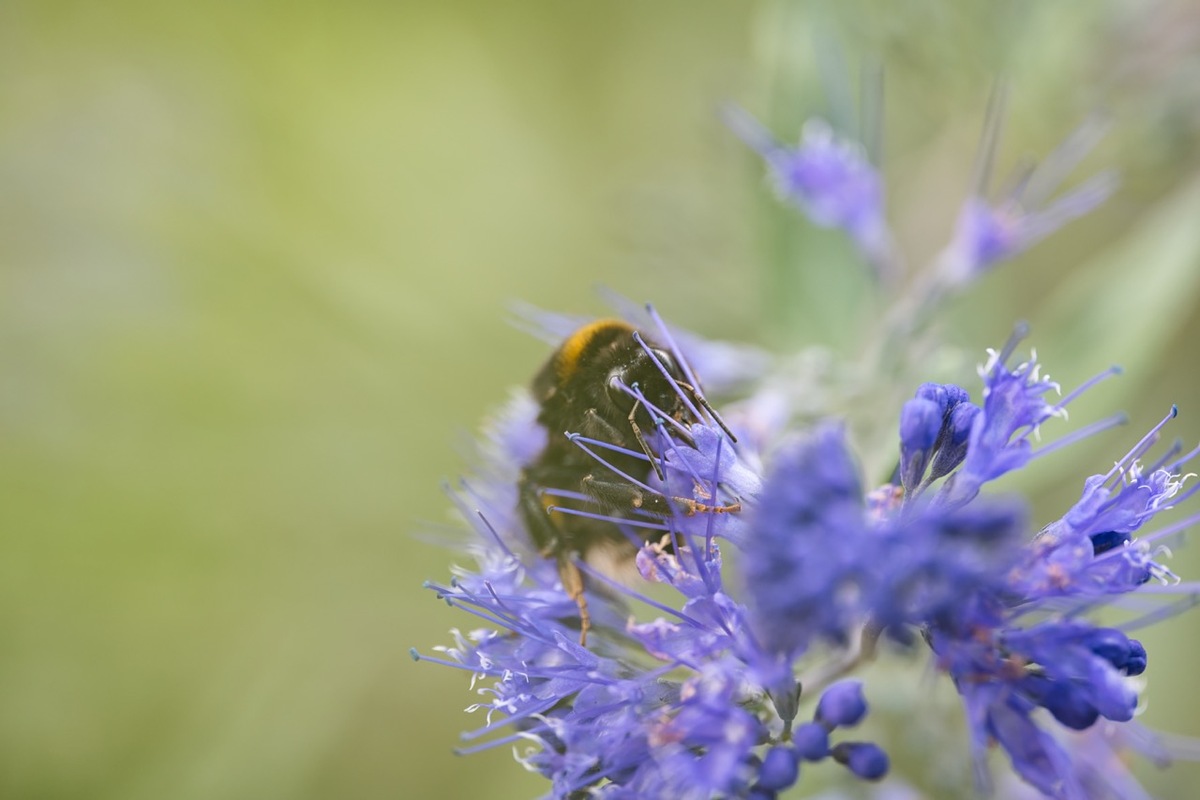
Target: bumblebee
{"x":606,"y":382}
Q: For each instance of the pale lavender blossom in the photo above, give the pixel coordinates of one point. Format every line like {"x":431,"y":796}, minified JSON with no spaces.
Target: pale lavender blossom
{"x":990,"y":231}
{"x":828,"y":177}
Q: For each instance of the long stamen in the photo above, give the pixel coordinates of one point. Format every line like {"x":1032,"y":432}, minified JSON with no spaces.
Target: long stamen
{"x":492,"y":727}
{"x":608,"y":446}
{"x":1116,"y":420}
{"x":1159,"y":614}
{"x":515,"y":737}
{"x":1082,"y":199}
{"x":417,"y":655}
{"x":501,"y":603}
{"x":637,"y":523}
{"x":575,"y":439}
{"x":623,"y":589}
{"x":495,"y":534}
{"x":1186,"y":495}
{"x":693,"y":385}
{"x":566,"y":494}
{"x":1170,"y":530}
{"x":1141,"y":447}
{"x":1019,"y":332}
{"x":990,"y":139}
{"x":665,"y":332}
{"x":871,"y":117}
{"x":1064,"y":159}
{"x":1189,"y":588}
{"x":712,"y":412}
{"x":636,"y":393}
{"x":1089,"y":383}
{"x":469,"y":602}
{"x":1191,"y":454}
{"x":1174,"y":450}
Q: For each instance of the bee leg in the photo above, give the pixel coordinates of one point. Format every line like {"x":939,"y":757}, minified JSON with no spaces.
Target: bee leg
{"x":572,"y":581}
{"x":534,"y":510}
{"x":619,"y":495}
{"x":637,"y":432}
{"x":597,"y":427}
{"x":537,"y":519}
{"x":622,"y":495}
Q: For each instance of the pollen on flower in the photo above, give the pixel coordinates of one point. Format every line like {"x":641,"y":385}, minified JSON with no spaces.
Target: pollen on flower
{"x":1057,"y":577}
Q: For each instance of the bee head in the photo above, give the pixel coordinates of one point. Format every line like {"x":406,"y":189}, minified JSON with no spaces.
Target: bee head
{"x":652,"y":373}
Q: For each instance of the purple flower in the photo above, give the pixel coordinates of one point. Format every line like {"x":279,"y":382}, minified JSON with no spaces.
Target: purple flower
{"x":1091,"y":549}
{"x":811,"y":741}
{"x":704,"y":748}
{"x":697,"y":683}
{"x":1014,"y":408}
{"x":842,"y":705}
{"x":988,"y":232}
{"x":864,"y":759}
{"x":935,"y":427}
{"x":1006,"y":657}
{"x":669,"y":707}
{"x":703,"y":698}
{"x":921,"y":423}
{"x":802,"y":566}
{"x":780,"y":769}
{"x":1098,"y":761}
{"x":827,"y":177}
{"x":820,"y":563}
{"x":1075,"y":671}
{"x":935,"y":566}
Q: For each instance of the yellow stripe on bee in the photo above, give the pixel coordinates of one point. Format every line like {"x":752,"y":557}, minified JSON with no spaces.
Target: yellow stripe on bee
{"x":571,"y":352}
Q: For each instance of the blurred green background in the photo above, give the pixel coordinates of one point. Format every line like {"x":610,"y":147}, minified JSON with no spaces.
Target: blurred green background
{"x":256,"y":261}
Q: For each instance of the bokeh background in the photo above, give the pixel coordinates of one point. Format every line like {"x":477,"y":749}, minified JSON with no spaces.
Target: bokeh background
{"x":256,"y":262}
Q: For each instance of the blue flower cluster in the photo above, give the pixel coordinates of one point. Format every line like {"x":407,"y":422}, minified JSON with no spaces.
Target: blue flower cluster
{"x":687,"y":704}
{"x":735,"y":684}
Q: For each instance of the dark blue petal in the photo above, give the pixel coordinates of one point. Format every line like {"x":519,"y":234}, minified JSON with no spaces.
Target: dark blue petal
{"x":806,"y":544}
{"x":952,"y":444}
{"x":864,"y":759}
{"x":780,"y":769}
{"x":811,"y":741}
{"x":920,"y":423}
{"x":1136,"y":664}
{"x":842,"y":705}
